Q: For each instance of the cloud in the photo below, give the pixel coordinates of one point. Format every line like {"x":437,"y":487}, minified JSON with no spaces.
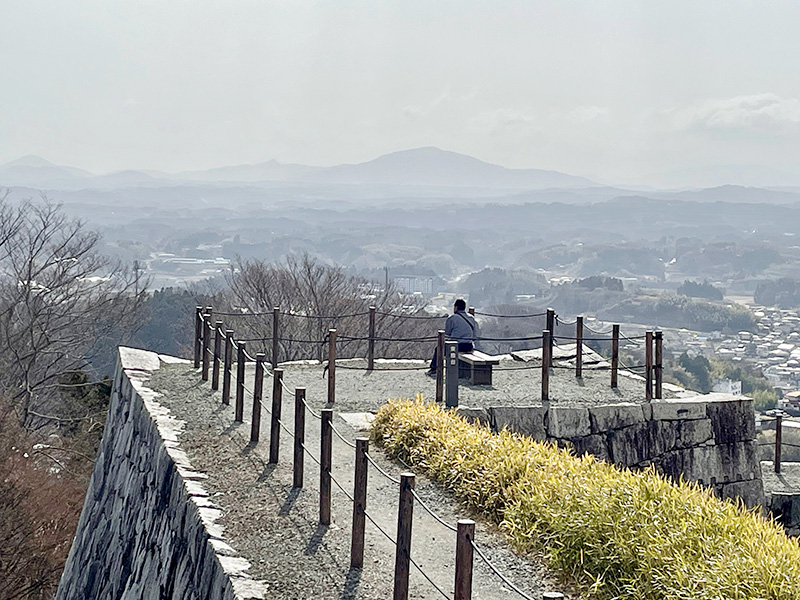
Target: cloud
{"x":503,"y":117}
{"x":758,"y":112}
{"x":588,"y":113}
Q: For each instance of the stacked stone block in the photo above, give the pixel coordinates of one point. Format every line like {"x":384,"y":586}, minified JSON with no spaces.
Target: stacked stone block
{"x":147,"y":528}
{"x":711,"y":442}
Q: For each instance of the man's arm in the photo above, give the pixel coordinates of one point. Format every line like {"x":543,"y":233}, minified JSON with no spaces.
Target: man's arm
{"x":449,"y":325}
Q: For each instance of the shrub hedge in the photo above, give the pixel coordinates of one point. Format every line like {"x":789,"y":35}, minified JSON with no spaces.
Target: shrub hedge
{"x":617,"y":533}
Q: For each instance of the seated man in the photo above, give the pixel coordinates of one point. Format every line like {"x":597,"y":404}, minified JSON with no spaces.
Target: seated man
{"x":460,"y":327}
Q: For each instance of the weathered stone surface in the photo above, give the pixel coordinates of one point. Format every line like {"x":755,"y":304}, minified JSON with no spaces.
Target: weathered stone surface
{"x":713,"y":465}
{"x":474,"y":415}
{"x":140,"y":535}
{"x":733,"y":421}
{"x":691,"y":433}
{"x":568,"y":422}
{"x":141,"y":360}
{"x":673,"y":410}
{"x":750,"y":492}
{"x":596,"y":445}
{"x":615,"y":416}
{"x":785,"y":507}
{"x":527,"y":420}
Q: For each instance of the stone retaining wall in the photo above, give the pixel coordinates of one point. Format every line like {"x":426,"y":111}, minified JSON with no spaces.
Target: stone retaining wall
{"x":709,"y":441}
{"x":148,"y":529}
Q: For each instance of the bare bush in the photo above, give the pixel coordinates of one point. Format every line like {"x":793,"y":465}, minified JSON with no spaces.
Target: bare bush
{"x":40,"y":502}
{"x":315,"y":297}
{"x":59,"y":300}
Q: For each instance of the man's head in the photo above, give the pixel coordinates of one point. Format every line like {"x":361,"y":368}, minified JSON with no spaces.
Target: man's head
{"x":459,"y":304}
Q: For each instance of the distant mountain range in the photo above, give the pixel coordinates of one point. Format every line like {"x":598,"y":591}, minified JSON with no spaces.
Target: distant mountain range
{"x":418,"y":173}
{"x":428,"y":167}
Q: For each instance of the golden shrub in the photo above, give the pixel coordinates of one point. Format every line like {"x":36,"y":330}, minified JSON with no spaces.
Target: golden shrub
{"x":618,"y":533}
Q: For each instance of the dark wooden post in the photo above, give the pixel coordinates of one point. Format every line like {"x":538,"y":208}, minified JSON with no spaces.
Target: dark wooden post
{"x":325,"y":454}
{"x":778,"y":442}
{"x":359,"y":503}
{"x":451,"y":375}
{"x":440,"y":358}
{"x":551,"y":327}
{"x":227,"y":363}
{"x":217,"y":355}
{"x":299,"y":436}
{"x":659,"y":367}
{"x":275,"y":426}
{"x":579,"y":347}
{"x":546,"y":334}
{"x":206,"y":343}
{"x":471,"y":310}
{"x":331,"y":366}
{"x":198,"y":334}
{"x":240,"y":374}
{"x":276,"y":313}
{"x":648,"y":365}
{"x":258,"y":386}
{"x":464,"y":556}
{"x":402,"y":557}
{"x":614,"y":355}
{"x":371,"y":343}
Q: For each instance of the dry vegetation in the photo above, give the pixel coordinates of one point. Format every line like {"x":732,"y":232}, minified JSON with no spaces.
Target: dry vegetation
{"x":618,"y":533}
{"x":41,"y":495}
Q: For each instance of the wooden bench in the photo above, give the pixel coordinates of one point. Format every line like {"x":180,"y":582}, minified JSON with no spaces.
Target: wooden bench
{"x":476,"y":366}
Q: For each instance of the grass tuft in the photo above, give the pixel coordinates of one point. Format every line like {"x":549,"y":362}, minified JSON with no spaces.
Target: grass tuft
{"x":618,"y":533}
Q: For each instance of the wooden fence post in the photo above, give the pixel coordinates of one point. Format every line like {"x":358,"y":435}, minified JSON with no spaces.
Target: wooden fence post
{"x":579,"y":346}
{"x":451,"y":375}
{"x":359,"y":503}
{"x":778,"y":442}
{"x":275,"y":426}
{"x":227,"y":363}
{"x":371,"y":343}
{"x":471,"y":310}
{"x":258,"y":386}
{"x":546,"y":339}
{"x":206,"y":344}
{"x":659,"y":368}
{"x":240,"y":374}
{"x":217,"y":355}
{"x":551,"y":327}
{"x":198,"y":334}
{"x":241,"y":365}
{"x":276,"y":313}
{"x":331,"y":366}
{"x":299,"y":436}
{"x":402,"y":557}
{"x":614,"y":355}
{"x":440,"y":361}
{"x":325,"y":455}
{"x":464,"y":557}
{"x":648,"y":365}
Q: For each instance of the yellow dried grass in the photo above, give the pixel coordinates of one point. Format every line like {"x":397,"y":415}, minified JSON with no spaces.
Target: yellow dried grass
{"x":619,"y":534}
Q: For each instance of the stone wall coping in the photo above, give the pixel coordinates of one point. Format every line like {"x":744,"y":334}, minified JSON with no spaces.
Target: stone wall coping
{"x":135,"y":363}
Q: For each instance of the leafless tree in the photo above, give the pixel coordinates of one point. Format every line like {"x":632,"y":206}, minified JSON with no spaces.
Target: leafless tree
{"x":59,"y":300}
{"x":321,"y":297}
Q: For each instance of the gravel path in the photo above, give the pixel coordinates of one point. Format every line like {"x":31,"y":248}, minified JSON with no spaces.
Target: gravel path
{"x":276,"y":527}
{"x":515,"y":383}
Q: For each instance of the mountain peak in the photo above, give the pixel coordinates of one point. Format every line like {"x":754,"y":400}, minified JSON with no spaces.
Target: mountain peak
{"x":30,"y":160}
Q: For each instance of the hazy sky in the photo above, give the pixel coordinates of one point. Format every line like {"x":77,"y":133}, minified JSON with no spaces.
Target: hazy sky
{"x":614,"y":90}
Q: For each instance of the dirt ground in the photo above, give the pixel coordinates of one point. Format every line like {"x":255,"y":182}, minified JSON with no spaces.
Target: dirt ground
{"x":276,"y":527}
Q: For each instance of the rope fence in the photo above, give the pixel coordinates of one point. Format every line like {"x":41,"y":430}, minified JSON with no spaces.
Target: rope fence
{"x":210,"y":358}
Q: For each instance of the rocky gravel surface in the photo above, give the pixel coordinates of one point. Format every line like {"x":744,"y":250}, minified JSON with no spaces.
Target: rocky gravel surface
{"x":276,"y":527}
{"x":514,"y":383}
